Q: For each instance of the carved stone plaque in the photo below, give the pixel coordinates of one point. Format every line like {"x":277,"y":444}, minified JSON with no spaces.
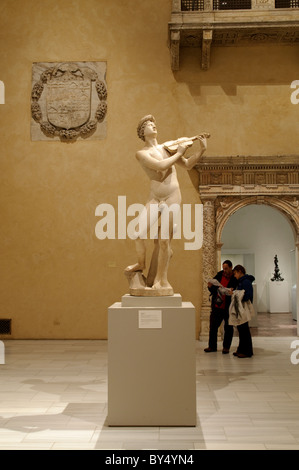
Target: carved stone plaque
{"x":68,"y":101}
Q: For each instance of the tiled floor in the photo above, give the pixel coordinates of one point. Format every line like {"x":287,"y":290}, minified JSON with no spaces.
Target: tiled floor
{"x":54,"y":396}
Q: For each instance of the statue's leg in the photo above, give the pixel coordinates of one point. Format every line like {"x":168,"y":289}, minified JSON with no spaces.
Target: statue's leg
{"x":144,"y":222}
{"x":165,"y":252}
{"x":154,"y":265}
{"x":163,"y":262}
{"x":141,"y":254}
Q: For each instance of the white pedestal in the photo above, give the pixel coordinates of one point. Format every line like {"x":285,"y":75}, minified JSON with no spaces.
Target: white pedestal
{"x":278,"y":297}
{"x":151,"y":362}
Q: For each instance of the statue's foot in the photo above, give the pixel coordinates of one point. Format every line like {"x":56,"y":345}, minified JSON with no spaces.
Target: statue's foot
{"x":161,"y":285}
{"x":134,"y":267}
{"x":158,"y":289}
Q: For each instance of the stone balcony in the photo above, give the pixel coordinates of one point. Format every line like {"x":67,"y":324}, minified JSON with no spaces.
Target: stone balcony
{"x":202,"y":24}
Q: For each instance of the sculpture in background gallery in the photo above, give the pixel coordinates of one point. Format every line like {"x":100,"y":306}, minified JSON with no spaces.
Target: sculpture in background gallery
{"x":276,"y":274}
{"x":158,"y":162}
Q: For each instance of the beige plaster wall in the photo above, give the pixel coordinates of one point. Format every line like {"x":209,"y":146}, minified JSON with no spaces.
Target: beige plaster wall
{"x":57,"y":278}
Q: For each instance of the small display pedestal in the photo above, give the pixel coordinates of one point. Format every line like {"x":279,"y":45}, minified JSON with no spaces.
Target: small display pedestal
{"x":151,"y":362}
{"x":278,"y":297}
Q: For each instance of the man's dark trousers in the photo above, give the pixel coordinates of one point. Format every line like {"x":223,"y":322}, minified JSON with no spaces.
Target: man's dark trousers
{"x":216,"y":318}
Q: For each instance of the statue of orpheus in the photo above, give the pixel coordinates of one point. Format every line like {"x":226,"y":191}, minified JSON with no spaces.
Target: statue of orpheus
{"x":158,"y":162}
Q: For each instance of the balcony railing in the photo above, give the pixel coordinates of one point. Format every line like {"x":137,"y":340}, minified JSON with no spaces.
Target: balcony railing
{"x":192,"y":5}
{"x":231,"y":4}
{"x":199,"y":5}
{"x":286,"y":3}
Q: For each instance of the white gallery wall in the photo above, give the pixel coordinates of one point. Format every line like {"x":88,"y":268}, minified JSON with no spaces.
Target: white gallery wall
{"x":252,"y":237}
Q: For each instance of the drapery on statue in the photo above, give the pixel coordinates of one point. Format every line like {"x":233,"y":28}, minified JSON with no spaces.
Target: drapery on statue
{"x":158,"y":162}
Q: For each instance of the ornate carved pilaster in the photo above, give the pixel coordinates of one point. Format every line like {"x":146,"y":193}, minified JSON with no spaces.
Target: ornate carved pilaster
{"x":209,"y":243}
{"x":218,"y":255}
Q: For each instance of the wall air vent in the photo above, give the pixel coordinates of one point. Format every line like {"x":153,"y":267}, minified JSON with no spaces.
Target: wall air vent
{"x":5,"y":326}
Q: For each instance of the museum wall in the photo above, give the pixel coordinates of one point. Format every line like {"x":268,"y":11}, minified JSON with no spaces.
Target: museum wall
{"x":58,"y":278}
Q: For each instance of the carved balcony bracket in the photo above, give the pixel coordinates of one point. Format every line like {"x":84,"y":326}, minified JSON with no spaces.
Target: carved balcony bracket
{"x":206,"y":49}
{"x":175,"y":50}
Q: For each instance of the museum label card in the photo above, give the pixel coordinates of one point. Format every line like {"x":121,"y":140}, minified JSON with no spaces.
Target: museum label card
{"x":150,"y":318}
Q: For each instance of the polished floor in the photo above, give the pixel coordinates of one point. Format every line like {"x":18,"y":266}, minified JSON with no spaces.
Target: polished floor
{"x":54,"y":396}
{"x":275,"y":324}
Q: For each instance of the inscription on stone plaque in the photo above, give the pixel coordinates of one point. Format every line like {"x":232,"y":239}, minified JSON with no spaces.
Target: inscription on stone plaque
{"x":68,"y":101}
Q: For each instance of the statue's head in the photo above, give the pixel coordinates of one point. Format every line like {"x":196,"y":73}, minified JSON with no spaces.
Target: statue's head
{"x":142,"y":124}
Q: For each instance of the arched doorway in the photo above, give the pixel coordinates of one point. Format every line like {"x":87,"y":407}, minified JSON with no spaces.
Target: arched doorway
{"x":226,"y":185}
{"x":252,"y":236}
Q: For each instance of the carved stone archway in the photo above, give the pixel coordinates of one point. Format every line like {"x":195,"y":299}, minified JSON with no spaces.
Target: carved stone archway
{"x":227,"y":184}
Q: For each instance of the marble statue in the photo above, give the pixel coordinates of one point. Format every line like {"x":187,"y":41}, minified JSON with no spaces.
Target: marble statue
{"x":158,"y":162}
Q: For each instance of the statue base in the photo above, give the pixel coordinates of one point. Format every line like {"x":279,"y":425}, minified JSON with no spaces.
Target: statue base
{"x":151,"y":292}
{"x":151,"y":362}
{"x":138,"y":287}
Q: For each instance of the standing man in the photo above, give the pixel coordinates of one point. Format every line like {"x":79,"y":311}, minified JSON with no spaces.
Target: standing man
{"x":219,"y":308}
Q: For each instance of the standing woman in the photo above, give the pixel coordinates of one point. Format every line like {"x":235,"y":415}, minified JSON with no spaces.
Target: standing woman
{"x":244,"y":283}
